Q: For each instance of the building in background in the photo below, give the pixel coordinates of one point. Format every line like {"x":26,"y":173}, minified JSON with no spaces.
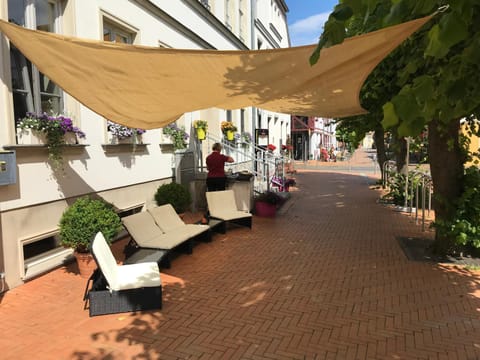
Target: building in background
{"x":125,"y":175}
{"x":270,"y":31}
{"x":311,"y":134}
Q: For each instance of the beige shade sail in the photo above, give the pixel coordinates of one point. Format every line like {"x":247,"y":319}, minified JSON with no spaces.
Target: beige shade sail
{"x":148,"y":87}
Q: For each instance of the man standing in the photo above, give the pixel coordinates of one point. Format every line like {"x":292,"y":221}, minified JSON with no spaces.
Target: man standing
{"x":216,"y":179}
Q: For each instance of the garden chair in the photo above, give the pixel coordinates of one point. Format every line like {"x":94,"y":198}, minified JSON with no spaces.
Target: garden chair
{"x":169,"y":222}
{"x":222,"y":206}
{"x":146,"y":234}
{"x":121,"y":288}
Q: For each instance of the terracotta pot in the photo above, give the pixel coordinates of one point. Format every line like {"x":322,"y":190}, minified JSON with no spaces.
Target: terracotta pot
{"x":86,"y":264}
{"x":264,"y":209}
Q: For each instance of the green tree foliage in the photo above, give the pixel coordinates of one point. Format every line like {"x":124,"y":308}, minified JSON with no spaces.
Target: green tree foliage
{"x":431,"y":81}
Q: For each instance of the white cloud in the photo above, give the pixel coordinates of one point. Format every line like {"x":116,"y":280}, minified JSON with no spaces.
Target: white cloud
{"x":307,"y":31}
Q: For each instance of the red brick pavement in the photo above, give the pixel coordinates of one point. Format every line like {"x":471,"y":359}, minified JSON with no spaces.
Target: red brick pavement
{"x":325,"y":279}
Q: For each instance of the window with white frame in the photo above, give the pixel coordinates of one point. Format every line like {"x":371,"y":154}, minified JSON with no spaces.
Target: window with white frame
{"x":32,"y":90}
{"x":228,"y":22}
{"x":241,"y":19}
{"x":115,"y":33}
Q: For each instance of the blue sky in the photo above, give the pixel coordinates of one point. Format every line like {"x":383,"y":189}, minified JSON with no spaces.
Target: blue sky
{"x":305,"y":19}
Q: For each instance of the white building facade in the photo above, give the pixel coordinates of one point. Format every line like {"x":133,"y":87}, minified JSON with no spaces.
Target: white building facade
{"x":32,"y":202}
{"x":270,"y":31}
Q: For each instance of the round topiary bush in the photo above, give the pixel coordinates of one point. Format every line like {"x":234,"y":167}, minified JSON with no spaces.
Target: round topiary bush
{"x":80,"y":223}
{"x":175,"y":194}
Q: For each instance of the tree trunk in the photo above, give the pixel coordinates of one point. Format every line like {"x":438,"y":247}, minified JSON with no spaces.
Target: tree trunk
{"x":401,"y":155}
{"x":446,"y":167}
{"x":379,"y":139}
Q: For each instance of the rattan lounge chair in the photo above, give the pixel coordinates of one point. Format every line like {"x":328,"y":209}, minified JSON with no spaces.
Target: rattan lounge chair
{"x":146,"y":234}
{"x":222,"y":206}
{"x":121,"y":288}
{"x":169,"y":222}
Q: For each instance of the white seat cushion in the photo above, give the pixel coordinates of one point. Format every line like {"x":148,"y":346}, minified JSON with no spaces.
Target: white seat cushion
{"x":123,"y":277}
{"x":134,"y":276}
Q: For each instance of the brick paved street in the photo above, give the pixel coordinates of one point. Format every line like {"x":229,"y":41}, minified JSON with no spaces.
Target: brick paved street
{"x":325,"y":279}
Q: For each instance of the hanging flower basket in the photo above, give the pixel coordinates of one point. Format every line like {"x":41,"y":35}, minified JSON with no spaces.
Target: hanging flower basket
{"x":228,"y":130}
{"x":201,"y":126}
{"x":201,"y":134}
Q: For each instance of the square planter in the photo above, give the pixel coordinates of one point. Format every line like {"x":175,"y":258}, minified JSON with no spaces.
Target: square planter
{"x":31,"y":137}
{"x":264,"y":209}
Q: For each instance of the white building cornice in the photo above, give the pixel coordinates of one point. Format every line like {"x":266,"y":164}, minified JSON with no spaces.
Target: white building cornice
{"x":266,"y":34}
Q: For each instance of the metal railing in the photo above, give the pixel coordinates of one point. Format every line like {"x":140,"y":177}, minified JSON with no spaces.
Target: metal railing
{"x":419,"y":187}
{"x":266,"y":167}
{"x":423,"y":190}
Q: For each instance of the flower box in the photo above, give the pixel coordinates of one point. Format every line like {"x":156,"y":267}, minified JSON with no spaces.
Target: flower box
{"x":31,"y":137}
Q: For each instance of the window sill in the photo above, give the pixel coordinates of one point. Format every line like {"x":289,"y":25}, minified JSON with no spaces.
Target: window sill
{"x":124,"y":144}
{"x":121,"y":147}
{"x":39,"y":146}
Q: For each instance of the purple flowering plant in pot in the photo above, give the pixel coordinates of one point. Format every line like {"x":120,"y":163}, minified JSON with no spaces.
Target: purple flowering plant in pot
{"x":55,"y":127}
{"x":177,"y":134}
{"x":122,"y":132}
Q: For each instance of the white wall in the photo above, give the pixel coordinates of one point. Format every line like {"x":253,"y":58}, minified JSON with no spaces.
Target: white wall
{"x":124,"y":175}
{"x":279,"y":124}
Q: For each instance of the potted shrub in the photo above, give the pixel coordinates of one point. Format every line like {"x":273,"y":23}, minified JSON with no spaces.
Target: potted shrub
{"x":201,"y":126}
{"x":55,"y":129}
{"x":266,"y":204}
{"x":80,"y":223}
{"x":175,"y":194}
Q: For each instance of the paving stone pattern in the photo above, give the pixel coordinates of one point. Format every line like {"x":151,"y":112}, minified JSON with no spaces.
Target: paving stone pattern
{"x":325,"y":279}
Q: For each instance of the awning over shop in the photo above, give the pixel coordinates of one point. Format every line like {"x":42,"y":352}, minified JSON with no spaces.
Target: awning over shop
{"x":150,"y":87}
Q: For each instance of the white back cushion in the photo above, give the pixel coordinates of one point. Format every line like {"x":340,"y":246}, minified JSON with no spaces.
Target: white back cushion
{"x":106,"y":262}
{"x":141,"y":226}
{"x":221,"y":201}
{"x":166,"y":217}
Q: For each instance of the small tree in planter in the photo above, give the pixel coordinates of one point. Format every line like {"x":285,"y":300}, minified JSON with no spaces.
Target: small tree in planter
{"x":175,"y":194}
{"x":80,"y":223}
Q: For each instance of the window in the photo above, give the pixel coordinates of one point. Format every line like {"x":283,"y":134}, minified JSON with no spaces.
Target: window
{"x":242,"y":120}
{"x":114,"y":33}
{"x":32,"y":90}
{"x":205,"y":3}
{"x":227,"y":14}
{"x":259,"y":44}
{"x":241,"y":20}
